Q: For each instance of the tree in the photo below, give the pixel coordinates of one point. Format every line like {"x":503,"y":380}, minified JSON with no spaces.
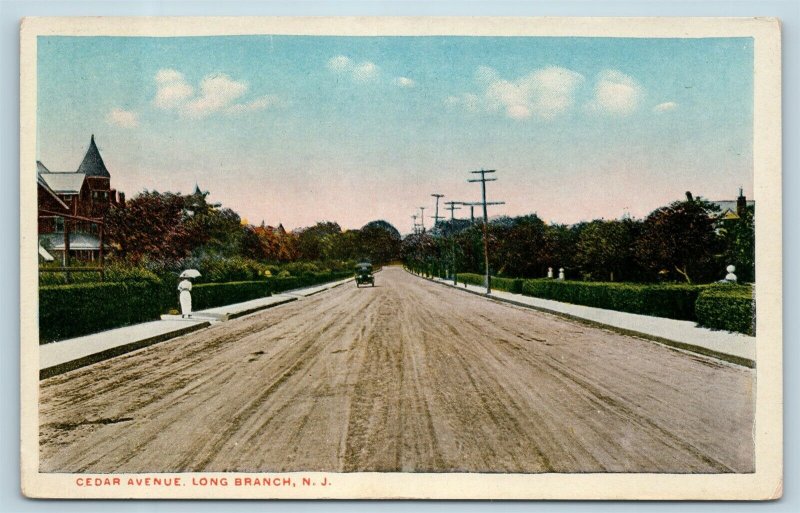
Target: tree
{"x":150,"y":224}
{"x":379,"y":241}
{"x":560,"y":242}
{"x":605,"y":249}
{"x":740,"y":244}
{"x":680,"y":238}
{"x":520,"y":246}
{"x":316,"y":242}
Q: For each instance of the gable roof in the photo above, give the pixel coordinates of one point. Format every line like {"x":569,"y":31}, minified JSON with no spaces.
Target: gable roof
{"x":93,"y":164}
{"x":43,"y":184}
{"x":63,"y":183}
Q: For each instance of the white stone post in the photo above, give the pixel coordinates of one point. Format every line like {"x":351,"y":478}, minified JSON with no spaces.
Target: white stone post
{"x":561,"y":273}
{"x":549,"y":272}
{"x":730,"y":277}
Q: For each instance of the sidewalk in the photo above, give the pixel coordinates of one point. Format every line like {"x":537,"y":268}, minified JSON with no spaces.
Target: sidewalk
{"x":66,"y":355}
{"x":732,"y":347}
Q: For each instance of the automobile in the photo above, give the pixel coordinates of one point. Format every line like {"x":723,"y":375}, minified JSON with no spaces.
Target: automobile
{"x":364,"y":274}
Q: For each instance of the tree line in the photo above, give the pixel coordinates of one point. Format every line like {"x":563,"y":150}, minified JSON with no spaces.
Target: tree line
{"x":685,"y":241}
{"x":169,"y":230}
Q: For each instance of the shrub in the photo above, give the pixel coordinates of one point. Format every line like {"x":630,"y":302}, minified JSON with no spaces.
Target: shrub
{"x":78,"y":309}
{"x":470,"y":278}
{"x":513,"y":285}
{"x":672,"y":301}
{"x":209,"y":295}
{"x":727,"y":307}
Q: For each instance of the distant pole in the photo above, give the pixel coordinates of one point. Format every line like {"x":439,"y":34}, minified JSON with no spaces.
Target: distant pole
{"x":422,"y":218}
{"x":483,"y":180}
{"x":436,"y":217}
{"x":451,"y":206}
{"x":414,"y":217}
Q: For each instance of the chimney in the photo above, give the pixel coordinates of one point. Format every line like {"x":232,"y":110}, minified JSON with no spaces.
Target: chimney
{"x":689,"y":196}
{"x":121,"y":198}
{"x":741,"y":203}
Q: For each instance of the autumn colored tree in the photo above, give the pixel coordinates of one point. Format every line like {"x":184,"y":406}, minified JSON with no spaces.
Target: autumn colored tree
{"x":150,"y":224}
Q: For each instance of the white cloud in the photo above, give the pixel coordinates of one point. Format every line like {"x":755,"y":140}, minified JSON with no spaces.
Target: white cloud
{"x":405,"y":82}
{"x":122,"y":118}
{"x":361,"y":72}
{"x":365,"y":71}
{"x":172,"y":89}
{"x":616,"y":93}
{"x":217,"y":92}
{"x":468,"y":101}
{"x":264,"y":102}
{"x":340,"y":63}
{"x":544,"y":93}
{"x":664,"y":107}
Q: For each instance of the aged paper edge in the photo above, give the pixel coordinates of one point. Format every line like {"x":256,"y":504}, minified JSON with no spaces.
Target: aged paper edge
{"x":767,"y":481}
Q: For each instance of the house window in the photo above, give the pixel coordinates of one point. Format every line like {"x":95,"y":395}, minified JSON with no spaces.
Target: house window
{"x":59,"y":224}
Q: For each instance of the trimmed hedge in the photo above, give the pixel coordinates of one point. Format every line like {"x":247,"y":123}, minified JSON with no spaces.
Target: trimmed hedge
{"x":513,"y":285}
{"x":671,"y":301}
{"x":727,"y":307}
{"x":67,"y":311}
{"x":209,"y":295}
{"x":280,"y":284}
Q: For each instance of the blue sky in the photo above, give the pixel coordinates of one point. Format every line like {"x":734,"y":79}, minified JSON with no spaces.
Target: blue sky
{"x":297,"y":129}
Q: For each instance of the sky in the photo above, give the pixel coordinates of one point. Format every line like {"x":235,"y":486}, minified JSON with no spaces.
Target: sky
{"x":301,"y":129}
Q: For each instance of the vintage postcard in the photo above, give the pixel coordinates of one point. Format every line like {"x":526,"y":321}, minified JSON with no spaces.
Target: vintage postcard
{"x":476,"y":258}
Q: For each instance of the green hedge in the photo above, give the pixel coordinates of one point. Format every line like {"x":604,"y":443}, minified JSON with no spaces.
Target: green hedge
{"x":727,"y":307}
{"x":671,"y":301}
{"x":67,"y":311}
{"x":513,"y":285}
{"x":470,"y":278}
{"x":280,"y":284}
{"x":209,"y":295}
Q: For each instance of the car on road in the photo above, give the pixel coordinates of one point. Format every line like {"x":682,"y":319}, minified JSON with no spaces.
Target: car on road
{"x":364,"y":274}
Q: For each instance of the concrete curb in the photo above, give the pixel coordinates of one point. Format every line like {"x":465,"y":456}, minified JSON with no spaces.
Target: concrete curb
{"x":255,"y":309}
{"x":83,"y":361}
{"x":737,"y":360}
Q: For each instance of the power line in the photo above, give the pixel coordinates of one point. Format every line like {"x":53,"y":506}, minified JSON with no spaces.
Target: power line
{"x":483,"y":180}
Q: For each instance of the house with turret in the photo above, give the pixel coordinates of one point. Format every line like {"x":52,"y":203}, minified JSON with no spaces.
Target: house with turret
{"x":72,"y":206}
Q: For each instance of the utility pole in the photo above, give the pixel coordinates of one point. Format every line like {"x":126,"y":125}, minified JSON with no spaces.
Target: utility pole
{"x":451,"y":206}
{"x":471,"y":209}
{"x":422,"y":217}
{"x":483,"y":180}
{"x":414,"y":217}
{"x":436,"y":217}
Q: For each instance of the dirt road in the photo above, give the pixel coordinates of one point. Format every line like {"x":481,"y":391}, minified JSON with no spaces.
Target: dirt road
{"x":406,"y":376}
